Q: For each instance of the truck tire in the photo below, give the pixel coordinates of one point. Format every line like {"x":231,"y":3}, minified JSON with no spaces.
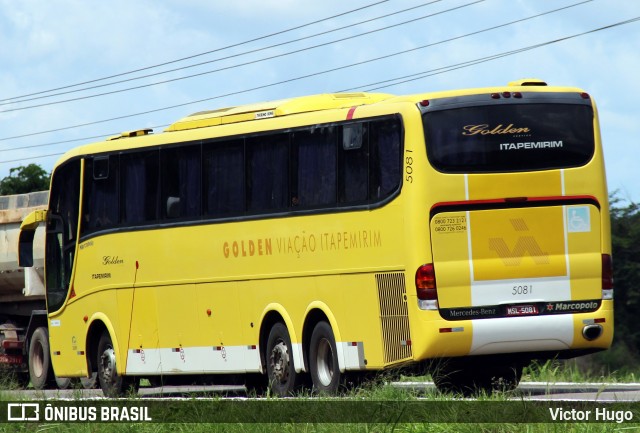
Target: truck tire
{"x":40,"y":370}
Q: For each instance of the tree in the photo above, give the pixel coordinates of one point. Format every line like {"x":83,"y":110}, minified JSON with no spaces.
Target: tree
{"x":625,"y":237}
{"x":22,"y":180}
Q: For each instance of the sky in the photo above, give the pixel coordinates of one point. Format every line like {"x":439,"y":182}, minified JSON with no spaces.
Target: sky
{"x":259,"y":50}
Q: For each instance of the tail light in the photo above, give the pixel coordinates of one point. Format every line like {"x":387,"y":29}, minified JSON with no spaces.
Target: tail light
{"x":426,"y":288}
{"x":607,"y":277}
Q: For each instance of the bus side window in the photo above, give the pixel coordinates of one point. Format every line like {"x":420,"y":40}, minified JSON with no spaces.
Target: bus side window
{"x":181,"y":189}
{"x":353,"y":165}
{"x":268,"y":173}
{"x":139,"y":191}
{"x":385,"y":164}
{"x":100,"y":207}
{"x":223,"y":178}
{"x":315,"y":168}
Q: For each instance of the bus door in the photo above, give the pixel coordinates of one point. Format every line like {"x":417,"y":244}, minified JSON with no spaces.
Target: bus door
{"x":60,"y":253}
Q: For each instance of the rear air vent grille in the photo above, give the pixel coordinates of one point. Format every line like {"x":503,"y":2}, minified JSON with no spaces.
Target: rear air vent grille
{"x":392,"y":296}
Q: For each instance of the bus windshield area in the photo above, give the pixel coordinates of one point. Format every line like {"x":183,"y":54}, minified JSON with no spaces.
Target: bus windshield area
{"x":510,"y":137}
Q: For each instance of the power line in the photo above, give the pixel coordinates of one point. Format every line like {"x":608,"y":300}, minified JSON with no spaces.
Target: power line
{"x":429,"y":73}
{"x":245,"y":63}
{"x":419,"y":75}
{"x":202,"y":54}
{"x":83,"y":139}
{"x":32,"y":157}
{"x":16,"y":100}
{"x":293,"y":79}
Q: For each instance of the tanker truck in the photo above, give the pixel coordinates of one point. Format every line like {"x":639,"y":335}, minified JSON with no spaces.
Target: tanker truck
{"x":24,"y":337}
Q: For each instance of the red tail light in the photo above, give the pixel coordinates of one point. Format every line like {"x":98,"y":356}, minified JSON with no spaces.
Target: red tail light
{"x":607,"y":272}
{"x":426,"y":283}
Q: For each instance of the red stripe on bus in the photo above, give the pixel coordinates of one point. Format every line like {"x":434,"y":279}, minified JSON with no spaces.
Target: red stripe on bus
{"x":558,"y":199}
{"x":350,"y":113}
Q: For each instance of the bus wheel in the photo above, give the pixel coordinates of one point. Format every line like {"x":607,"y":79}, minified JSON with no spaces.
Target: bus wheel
{"x":323,"y":360}
{"x":91,"y":381}
{"x":281,"y":373}
{"x":63,"y":382}
{"x":39,"y":358}
{"x":112,"y":384}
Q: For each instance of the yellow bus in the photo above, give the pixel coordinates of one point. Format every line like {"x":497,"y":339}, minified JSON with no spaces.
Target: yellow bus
{"x":316,"y":239}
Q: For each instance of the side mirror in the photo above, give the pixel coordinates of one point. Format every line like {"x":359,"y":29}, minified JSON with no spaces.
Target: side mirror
{"x":25,"y":248}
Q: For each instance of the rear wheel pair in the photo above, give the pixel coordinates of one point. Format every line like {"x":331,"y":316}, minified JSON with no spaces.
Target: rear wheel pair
{"x":282,"y":378}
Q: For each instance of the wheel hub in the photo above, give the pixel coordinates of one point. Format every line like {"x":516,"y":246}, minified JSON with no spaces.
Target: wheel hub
{"x":324,"y":361}
{"x":280,"y":362}
{"x":108,"y":360}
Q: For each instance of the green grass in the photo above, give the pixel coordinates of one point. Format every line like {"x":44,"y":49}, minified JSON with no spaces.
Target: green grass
{"x":551,"y":371}
{"x":571,"y":371}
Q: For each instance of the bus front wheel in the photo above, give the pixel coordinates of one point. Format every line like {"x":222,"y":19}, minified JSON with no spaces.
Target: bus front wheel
{"x":112,"y":384}
{"x":323,"y":360}
{"x":39,"y":358}
{"x":281,"y":373}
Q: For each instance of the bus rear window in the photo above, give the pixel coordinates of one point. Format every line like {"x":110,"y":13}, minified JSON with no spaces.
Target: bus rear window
{"x":513,"y":137}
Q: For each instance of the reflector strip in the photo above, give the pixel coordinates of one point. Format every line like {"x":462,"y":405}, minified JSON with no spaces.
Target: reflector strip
{"x":81,"y":352}
{"x":56,"y":353}
{"x":405,"y":343}
{"x":252,"y":347}
{"x":601,"y":320}
{"x":446,"y":330}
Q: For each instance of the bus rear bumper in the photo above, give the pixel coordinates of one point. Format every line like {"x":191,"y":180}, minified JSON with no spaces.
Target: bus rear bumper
{"x":554,"y":333}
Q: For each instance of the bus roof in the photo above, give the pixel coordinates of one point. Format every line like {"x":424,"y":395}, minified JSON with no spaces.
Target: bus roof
{"x":281,"y":107}
{"x":299,"y":105}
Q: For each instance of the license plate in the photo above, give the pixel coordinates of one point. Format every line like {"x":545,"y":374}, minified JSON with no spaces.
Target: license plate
{"x":522,"y":310}
{"x":10,"y":359}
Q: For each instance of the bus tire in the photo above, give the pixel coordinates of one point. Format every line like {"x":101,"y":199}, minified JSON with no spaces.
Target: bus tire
{"x":282,"y":377}
{"x":40,"y":371}
{"x":112,"y":384}
{"x":323,"y":360}
{"x":90,"y":381}
{"x":63,"y":382}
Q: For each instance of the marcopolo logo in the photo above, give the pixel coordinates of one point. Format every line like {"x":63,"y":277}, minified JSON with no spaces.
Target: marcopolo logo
{"x":572,"y":306}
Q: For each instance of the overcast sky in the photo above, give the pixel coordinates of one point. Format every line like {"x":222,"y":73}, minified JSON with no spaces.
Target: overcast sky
{"x":49,"y":44}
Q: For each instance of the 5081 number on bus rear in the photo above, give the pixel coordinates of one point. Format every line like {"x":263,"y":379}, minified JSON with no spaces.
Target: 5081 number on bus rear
{"x":524,"y":289}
